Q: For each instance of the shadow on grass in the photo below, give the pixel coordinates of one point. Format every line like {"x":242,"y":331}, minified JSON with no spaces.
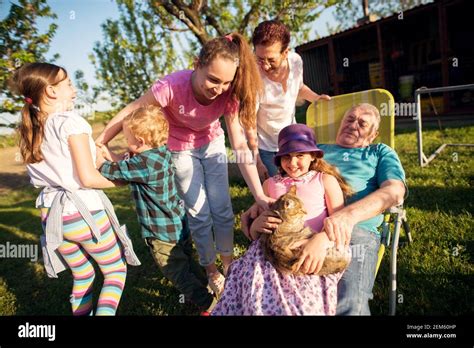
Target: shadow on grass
{"x":423,"y":293}
{"x":11,"y":181}
{"x":25,"y":277}
{"x":146,"y":292}
{"x":452,"y":200}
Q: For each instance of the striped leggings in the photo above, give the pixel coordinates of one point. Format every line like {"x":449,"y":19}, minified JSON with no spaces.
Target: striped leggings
{"x":77,"y":249}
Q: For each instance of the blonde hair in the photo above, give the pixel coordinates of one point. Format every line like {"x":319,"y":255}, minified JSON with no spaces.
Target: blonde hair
{"x":150,"y":123}
{"x":31,"y":81}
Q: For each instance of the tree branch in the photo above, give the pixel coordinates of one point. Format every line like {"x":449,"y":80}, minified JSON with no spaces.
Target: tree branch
{"x":212,"y":21}
{"x":190,"y":18}
{"x":248,"y":16}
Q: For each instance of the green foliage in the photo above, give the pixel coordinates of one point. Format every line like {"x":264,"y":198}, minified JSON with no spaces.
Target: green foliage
{"x":8,"y":140}
{"x":141,"y":46}
{"x":132,"y":54}
{"x":21,"y":42}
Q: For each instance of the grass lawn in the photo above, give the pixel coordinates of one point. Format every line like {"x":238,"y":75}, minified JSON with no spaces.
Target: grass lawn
{"x":435,"y":273}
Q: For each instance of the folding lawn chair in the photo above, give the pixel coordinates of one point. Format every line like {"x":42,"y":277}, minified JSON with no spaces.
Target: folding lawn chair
{"x":325,"y":117}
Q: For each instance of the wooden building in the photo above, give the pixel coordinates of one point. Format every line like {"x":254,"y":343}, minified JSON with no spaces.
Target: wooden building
{"x":430,"y":45}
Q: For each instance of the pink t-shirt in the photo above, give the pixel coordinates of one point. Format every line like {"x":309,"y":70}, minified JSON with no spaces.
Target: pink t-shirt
{"x":192,"y":124}
{"x":310,"y":189}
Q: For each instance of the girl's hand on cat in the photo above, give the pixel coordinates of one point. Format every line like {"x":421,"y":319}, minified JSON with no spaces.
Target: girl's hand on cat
{"x":267,"y":222}
{"x":313,"y":254}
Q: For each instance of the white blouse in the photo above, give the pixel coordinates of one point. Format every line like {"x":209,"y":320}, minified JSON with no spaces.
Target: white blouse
{"x":276,"y":108}
{"x":57,"y":168}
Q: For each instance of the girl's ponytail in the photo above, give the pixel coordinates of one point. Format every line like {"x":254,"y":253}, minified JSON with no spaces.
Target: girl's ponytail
{"x":247,"y":82}
{"x":31,"y":131}
{"x":30,"y":81}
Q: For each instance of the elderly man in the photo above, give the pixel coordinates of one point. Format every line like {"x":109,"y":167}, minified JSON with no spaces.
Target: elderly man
{"x":376,"y":175}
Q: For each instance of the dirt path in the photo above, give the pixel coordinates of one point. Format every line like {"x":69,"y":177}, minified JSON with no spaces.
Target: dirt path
{"x":13,"y":171}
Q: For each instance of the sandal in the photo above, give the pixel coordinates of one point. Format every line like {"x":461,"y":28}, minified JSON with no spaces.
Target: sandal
{"x":216,"y":283}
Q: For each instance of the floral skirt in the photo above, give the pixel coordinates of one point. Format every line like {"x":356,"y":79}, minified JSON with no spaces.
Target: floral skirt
{"x":255,"y":287}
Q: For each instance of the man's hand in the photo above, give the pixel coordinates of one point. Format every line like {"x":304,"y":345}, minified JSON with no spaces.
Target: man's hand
{"x":313,"y":254}
{"x":338,"y":228}
{"x":267,"y":222}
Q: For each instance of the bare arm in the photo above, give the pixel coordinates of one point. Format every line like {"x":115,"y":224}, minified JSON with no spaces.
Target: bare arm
{"x":339,"y":225}
{"x":306,"y":93}
{"x":115,"y":125}
{"x":333,"y":196}
{"x":247,"y":218}
{"x":247,"y":167}
{"x":252,"y":140}
{"x":89,"y":176}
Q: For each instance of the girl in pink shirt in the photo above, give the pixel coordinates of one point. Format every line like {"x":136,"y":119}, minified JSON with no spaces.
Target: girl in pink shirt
{"x":225,"y":82}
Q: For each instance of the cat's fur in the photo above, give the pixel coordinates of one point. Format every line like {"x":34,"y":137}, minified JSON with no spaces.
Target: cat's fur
{"x":277,"y":245}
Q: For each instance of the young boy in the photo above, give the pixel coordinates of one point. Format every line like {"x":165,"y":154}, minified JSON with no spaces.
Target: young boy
{"x":160,"y":210}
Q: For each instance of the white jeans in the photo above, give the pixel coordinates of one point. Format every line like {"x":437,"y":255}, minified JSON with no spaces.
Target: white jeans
{"x":203,"y":183}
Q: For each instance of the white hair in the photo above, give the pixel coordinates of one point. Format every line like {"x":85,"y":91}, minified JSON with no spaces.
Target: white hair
{"x":367,"y":107}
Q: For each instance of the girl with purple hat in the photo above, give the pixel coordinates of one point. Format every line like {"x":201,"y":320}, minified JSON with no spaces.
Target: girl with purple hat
{"x":254,"y":286}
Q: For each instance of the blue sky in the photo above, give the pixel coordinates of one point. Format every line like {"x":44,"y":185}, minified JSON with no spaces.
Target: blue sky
{"x":79,"y":27}
{"x":79,"y":24}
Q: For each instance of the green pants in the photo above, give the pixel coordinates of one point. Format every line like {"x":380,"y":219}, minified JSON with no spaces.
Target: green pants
{"x":177,"y":264}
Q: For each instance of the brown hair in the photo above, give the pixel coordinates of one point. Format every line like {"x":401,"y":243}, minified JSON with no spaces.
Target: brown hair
{"x":31,"y":81}
{"x":247,"y":85}
{"x":149,"y":123}
{"x":320,"y":165}
{"x":269,"y":32}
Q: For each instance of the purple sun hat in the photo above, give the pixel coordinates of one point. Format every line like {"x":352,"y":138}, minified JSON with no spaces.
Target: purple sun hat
{"x":296,"y":138}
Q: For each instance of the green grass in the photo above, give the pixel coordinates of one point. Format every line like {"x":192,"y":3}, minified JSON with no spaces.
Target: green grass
{"x":435,"y":273}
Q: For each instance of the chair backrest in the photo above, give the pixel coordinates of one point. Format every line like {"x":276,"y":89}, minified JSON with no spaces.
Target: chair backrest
{"x":325,"y":116}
